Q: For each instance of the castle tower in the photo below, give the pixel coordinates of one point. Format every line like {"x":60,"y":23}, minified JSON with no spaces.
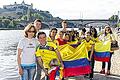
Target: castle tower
{"x":23,"y":3}
{"x":31,"y":5}
{"x":15,"y":3}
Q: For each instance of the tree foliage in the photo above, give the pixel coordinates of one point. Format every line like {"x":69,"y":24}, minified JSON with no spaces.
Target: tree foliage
{"x":114,"y":18}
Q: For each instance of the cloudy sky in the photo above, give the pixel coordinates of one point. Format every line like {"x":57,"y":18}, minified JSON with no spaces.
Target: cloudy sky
{"x":74,"y":9}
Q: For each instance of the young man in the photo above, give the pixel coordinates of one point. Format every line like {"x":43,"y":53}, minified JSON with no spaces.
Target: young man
{"x":64,"y":26}
{"x":38,"y":26}
{"x":46,"y":51}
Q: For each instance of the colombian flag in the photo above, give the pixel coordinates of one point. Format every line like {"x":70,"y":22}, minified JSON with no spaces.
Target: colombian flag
{"x":102,"y":51}
{"x":54,"y":73}
{"x":75,"y":60}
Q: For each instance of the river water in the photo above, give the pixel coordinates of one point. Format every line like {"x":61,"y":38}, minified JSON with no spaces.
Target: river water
{"x":8,"y":65}
{"x":8,"y":59}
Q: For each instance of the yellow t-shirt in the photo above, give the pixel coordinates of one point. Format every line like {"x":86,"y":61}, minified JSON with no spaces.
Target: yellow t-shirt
{"x":89,"y":45}
{"x":95,"y":39}
{"x":110,"y":37}
{"x":55,"y":41}
{"x":47,"y":53}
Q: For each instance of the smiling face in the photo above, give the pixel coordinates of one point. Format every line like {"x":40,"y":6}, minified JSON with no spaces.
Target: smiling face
{"x":31,"y":32}
{"x":64,"y":25}
{"x":87,"y":34}
{"x":42,"y":39}
{"x":37,"y":25}
{"x":53,"y":33}
{"x":107,"y":30}
{"x":61,"y":34}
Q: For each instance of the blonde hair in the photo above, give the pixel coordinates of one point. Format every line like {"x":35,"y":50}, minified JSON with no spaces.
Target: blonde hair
{"x":27,"y":28}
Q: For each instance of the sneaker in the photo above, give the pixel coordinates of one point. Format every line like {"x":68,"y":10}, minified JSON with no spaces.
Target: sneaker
{"x":102,"y":71}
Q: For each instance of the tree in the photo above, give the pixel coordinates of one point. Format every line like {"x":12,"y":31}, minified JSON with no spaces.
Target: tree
{"x":114,"y":18}
{"x":13,"y":24}
{"x":3,"y":17}
{"x":6,"y":22}
{"x":24,"y":17}
{"x":118,"y":25}
{"x":38,"y":16}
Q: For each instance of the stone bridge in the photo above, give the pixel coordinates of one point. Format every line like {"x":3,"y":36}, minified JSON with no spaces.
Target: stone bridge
{"x":85,"y":22}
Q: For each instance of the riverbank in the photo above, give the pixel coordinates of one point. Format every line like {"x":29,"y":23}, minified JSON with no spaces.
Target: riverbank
{"x":10,"y":29}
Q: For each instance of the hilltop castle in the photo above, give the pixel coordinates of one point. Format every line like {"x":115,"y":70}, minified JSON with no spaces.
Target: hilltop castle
{"x":16,"y":6}
{"x":15,"y":10}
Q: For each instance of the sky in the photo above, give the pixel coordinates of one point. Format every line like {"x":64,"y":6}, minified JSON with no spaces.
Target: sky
{"x":74,"y":9}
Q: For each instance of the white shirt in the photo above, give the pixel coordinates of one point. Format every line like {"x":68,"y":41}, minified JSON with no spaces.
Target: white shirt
{"x":28,"y":47}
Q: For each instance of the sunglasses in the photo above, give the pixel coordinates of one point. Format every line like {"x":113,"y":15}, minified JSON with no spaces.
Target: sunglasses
{"x":31,"y":31}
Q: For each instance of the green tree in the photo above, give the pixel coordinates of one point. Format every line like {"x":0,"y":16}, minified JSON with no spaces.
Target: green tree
{"x":37,"y":16}
{"x":118,"y":25}
{"x":13,"y":24}
{"x":24,"y":17}
{"x":6,"y":22}
{"x":3,"y":17}
{"x":114,"y":18}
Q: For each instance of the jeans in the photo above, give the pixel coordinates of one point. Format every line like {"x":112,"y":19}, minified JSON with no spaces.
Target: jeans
{"x":28,"y":72}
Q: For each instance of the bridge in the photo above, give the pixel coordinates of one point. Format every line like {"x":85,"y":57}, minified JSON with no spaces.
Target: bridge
{"x":86,"y":22}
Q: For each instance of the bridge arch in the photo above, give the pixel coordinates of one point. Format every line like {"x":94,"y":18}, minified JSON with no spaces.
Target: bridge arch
{"x":106,"y":23}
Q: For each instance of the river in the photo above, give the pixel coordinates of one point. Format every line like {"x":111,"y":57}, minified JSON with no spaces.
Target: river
{"x":8,"y":59}
{"x":8,"y":64}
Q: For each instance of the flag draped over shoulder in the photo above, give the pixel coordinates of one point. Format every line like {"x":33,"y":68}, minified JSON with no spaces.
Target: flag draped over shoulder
{"x":102,"y":51}
{"x":75,"y":60}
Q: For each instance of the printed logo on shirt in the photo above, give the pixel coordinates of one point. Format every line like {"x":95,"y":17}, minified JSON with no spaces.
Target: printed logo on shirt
{"x":51,"y":48}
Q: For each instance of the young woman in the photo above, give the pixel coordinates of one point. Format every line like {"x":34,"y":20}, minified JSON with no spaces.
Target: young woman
{"x":52,"y":36}
{"x":94,"y":39}
{"x":108,"y":35}
{"x":60,"y":39}
{"x":26,"y":53}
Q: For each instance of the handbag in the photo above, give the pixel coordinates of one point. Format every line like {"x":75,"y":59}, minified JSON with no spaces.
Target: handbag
{"x":114,"y":45}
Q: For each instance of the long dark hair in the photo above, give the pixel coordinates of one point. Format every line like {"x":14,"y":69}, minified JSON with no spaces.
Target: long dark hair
{"x":95,"y":32}
{"x":109,"y":29}
{"x":52,"y":30}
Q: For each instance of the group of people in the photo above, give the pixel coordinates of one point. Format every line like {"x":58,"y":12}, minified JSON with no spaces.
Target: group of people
{"x":35,"y":48}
